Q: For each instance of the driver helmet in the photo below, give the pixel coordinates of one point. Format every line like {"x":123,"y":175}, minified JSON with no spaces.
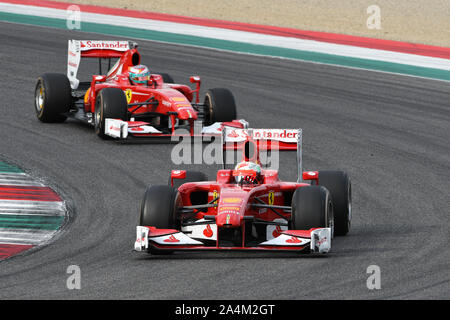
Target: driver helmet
{"x":247,"y":173}
{"x":139,"y":74}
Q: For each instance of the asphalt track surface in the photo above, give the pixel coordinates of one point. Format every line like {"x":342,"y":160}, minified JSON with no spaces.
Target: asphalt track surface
{"x":389,"y":132}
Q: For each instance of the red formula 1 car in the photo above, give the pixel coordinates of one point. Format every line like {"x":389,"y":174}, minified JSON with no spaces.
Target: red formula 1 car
{"x":128,"y":100}
{"x":247,"y":208}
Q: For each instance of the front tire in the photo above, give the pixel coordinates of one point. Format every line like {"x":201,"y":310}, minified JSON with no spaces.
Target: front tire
{"x":159,"y":209}
{"x":220,"y":106}
{"x":340,"y":187}
{"x":110,"y":103}
{"x":312,"y":208}
{"x":53,"y":97}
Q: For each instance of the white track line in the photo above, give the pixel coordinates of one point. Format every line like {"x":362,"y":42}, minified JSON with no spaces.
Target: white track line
{"x":25,"y":236}
{"x":26,"y":207}
{"x":238,"y":36}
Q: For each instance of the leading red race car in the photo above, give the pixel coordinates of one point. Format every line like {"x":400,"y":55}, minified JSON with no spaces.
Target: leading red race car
{"x":247,"y":208}
{"x":129,"y":100}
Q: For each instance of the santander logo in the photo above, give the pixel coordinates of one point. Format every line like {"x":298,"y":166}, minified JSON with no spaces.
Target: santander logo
{"x":293,"y":240}
{"x":208,"y":231}
{"x":276,"y":134}
{"x":114,"y":45}
{"x":277,"y":231}
{"x":172,"y":239}
{"x":322,"y":241}
{"x":233,"y":134}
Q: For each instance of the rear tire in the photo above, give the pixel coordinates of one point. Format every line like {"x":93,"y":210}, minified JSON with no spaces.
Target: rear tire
{"x":312,"y":208}
{"x":110,"y":103}
{"x":220,"y":106}
{"x":339,"y":185}
{"x":159,"y":209}
{"x":191,"y":176}
{"x":53,"y":97}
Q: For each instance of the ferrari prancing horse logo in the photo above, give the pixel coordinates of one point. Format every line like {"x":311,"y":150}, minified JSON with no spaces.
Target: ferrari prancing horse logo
{"x":128,"y":94}
{"x":215,"y":195}
{"x":271,"y":198}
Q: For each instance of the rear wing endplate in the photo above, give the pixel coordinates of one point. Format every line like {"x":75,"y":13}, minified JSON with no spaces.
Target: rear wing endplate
{"x":101,"y":49}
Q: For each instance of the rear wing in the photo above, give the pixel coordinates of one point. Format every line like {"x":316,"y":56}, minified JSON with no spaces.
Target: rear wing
{"x":100,"y":49}
{"x":252,"y":141}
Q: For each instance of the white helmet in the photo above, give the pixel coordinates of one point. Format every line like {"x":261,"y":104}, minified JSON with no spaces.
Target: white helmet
{"x":247,"y":173}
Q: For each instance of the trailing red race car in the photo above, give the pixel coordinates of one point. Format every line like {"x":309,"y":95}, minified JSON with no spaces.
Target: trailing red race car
{"x":247,"y":208}
{"x":129,"y":100}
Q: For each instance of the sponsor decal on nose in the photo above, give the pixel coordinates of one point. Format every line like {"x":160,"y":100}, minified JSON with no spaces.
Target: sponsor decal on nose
{"x":277,"y":231}
{"x":172,"y":239}
{"x":293,"y":240}
{"x":208,"y":231}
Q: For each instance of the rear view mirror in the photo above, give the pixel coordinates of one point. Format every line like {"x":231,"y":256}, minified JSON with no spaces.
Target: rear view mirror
{"x":99,"y":78}
{"x":311,"y":175}
{"x":195,"y":79}
{"x":177,"y":174}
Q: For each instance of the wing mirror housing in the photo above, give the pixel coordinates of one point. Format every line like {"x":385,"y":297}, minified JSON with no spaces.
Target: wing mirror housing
{"x":177,"y":174}
{"x":99,"y":78}
{"x":197,"y":81}
{"x":311,"y":175}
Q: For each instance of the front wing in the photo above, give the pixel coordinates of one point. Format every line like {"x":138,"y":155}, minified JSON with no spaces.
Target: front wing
{"x":316,"y":240}
{"x":123,"y":130}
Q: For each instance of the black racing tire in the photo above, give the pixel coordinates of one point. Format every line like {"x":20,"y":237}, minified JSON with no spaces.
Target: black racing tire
{"x":311,"y":208}
{"x":110,"y":103}
{"x":340,"y":187}
{"x":159,"y":209}
{"x":52,"y":97}
{"x":220,"y":106}
{"x":191,"y":176}
{"x":167,"y":78}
